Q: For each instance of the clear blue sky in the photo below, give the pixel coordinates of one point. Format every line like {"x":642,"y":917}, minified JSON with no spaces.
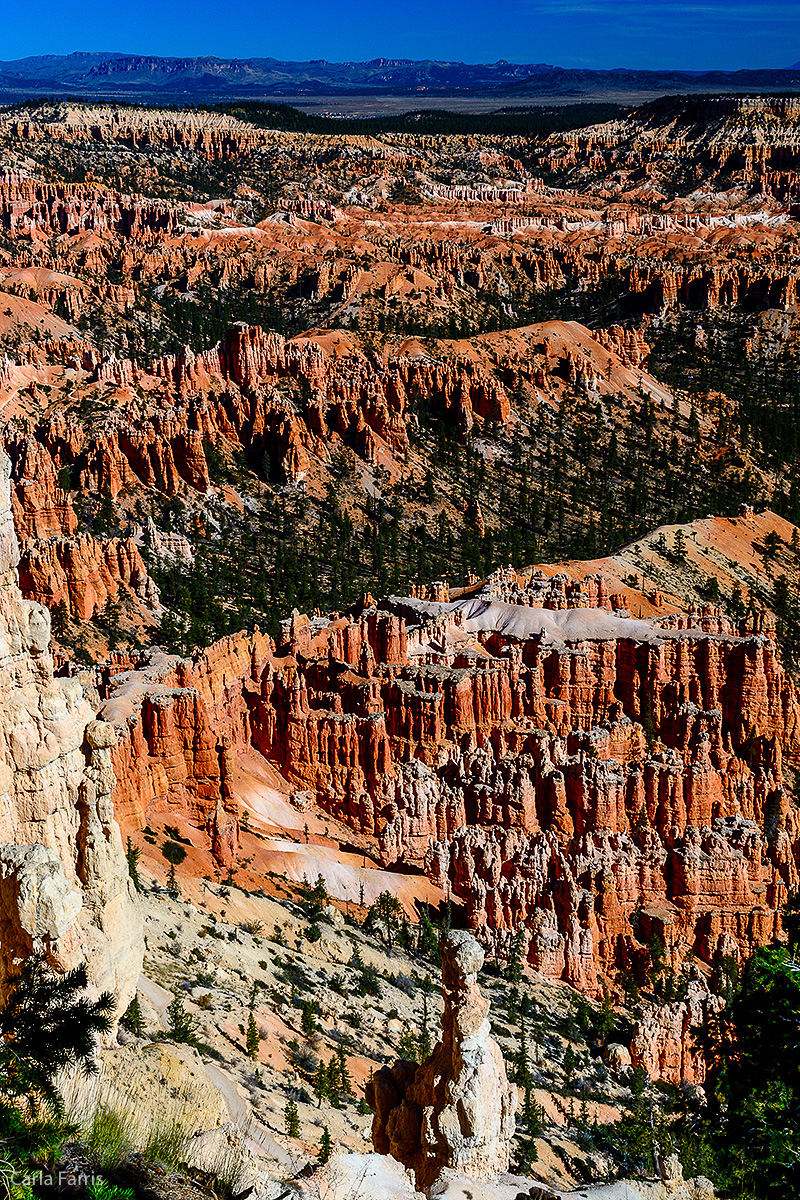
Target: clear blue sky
{"x":694,"y":34}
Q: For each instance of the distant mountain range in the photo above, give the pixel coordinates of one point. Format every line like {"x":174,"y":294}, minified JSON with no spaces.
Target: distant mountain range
{"x":146,"y":77}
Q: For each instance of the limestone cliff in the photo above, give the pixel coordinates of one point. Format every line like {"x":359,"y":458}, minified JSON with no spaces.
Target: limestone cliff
{"x":64,"y":884}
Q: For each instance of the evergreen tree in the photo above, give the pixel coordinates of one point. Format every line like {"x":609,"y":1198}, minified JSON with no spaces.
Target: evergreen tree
{"x":570,"y":1062}
{"x":292,"y":1119}
{"x":182,"y":1026}
{"x":308,"y":1023}
{"x":325,"y":1145}
{"x":133,"y":854}
{"x":345,"y":1084}
{"x":334,"y":1080}
{"x":321,"y":1083}
{"x":658,"y":962}
{"x":388,"y":909}
{"x":132,"y":1018}
{"x":791,"y":922}
{"x":752,"y":1050}
{"x":316,"y":898}
{"x":47,"y":1026}
{"x":408,"y":1046}
{"x":427,"y":941}
{"x":174,"y":853}
{"x":524,"y":1157}
{"x":404,"y":936}
{"x":59,"y":619}
{"x":253,"y":1038}
{"x":531,"y":1113}
{"x":606,"y":1020}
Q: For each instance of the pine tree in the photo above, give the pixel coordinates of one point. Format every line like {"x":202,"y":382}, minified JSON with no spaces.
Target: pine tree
{"x":253,"y":1038}
{"x":679,"y":546}
{"x":47,"y":1026}
{"x":569,"y":1062}
{"x":182,"y":1026}
{"x":405,"y":937}
{"x":174,"y":854}
{"x":427,"y":942}
{"x":607,"y":1019}
{"x":515,"y":958}
{"x":321,"y":1083}
{"x":133,"y":854}
{"x":525,"y":1155}
{"x":132,"y":1018}
{"x":59,"y":619}
{"x":325,"y":1145}
{"x":292,"y":1120}
{"x":531,"y":1113}
{"x":307,"y":1022}
{"x":345,"y":1084}
{"x":388,"y":909}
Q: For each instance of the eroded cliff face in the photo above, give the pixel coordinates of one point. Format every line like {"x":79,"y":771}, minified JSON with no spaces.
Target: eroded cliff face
{"x":554,"y":764}
{"x":64,"y":883}
{"x":747,"y":139}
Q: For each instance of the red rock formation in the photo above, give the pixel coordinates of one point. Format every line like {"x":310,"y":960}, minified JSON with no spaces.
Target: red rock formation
{"x":752,"y":140}
{"x":178,"y":723}
{"x":597,"y":791}
{"x":84,"y":573}
{"x":664,"y":1042}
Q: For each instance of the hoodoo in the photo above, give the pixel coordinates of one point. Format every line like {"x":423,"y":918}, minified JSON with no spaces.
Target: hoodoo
{"x":457,"y":1109}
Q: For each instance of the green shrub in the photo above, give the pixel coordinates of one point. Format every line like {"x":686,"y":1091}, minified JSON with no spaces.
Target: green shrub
{"x":167,"y":1138}
{"x":101,"y":1189}
{"x":109,"y":1138}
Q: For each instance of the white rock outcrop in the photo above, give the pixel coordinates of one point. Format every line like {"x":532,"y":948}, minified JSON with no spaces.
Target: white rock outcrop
{"x":455,"y":1111}
{"x":64,"y":882}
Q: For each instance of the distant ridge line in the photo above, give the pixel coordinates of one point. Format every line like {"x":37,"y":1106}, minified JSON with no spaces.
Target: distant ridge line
{"x":192,"y":78}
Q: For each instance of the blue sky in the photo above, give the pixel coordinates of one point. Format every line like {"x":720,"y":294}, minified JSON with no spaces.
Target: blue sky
{"x":694,"y":34}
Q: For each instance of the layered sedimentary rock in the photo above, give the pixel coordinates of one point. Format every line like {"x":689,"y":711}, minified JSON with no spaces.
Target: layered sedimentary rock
{"x":751,"y":139}
{"x":457,"y":1109}
{"x":231,"y":396}
{"x":178,"y":724}
{"x":598,"y":780}
{"x":665,"y":1041}
{"x":64,"y":882}
{"x":84,"y":573}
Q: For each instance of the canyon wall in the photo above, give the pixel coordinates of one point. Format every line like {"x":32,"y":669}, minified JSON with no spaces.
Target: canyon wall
{"x":64,"y":883}
{"x":602,"y":782}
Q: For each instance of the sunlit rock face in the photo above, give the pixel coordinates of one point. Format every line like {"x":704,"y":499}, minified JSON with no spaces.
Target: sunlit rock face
{"x":64,"y":884}
{"x":456,"y":1110}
